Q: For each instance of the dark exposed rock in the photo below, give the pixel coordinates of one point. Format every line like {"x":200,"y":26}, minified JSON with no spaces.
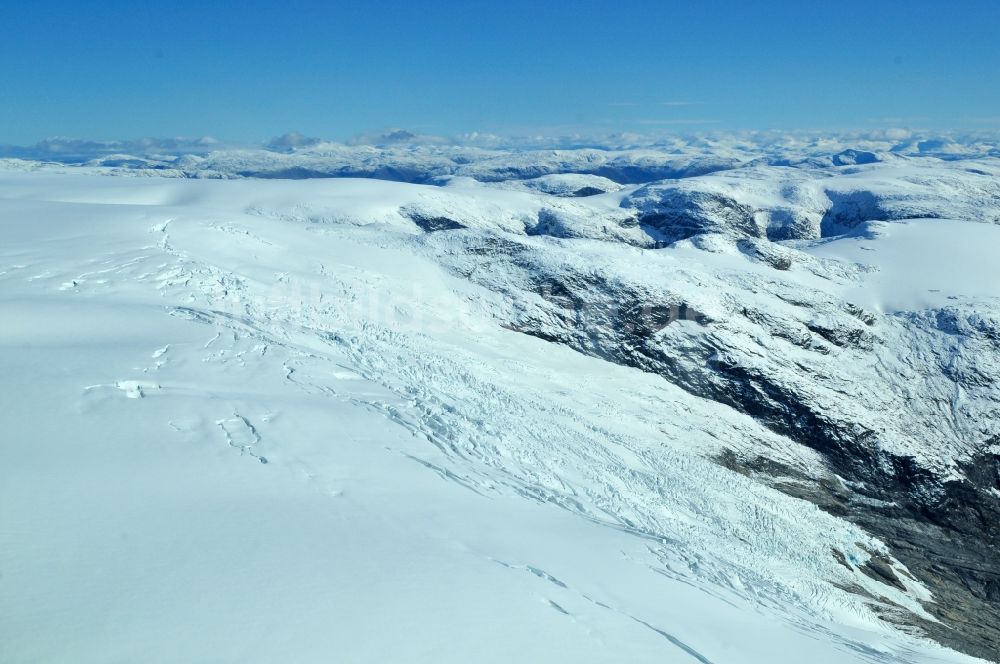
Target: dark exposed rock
{"x":946,"y":533}
{"x":432,"y":223}
{"x":880,"y":569}
{"x":865,"y":317}
{"x":496,"y":245}
{"x":843,"y":336}
{"x":777,"y":257}
{"x":549,"y":223}
{"x":680,"y":213}
{"x":851,"y":157}
{"x":848,"y":210}
{"x":839,"y":556}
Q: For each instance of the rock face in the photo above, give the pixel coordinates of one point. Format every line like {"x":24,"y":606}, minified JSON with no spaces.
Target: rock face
{"x":430,"y":223}
{"x":904,"y":407}
{"x":678,"y":214}
{"x":788,"y":204}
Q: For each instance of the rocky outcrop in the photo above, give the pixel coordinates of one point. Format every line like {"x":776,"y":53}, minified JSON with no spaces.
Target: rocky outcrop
{"x":430,"y":223}
{"x":794,"y":360}
{"x":676,"y":213}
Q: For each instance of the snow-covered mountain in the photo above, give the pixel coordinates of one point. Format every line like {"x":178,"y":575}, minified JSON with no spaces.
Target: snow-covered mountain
{"x":402,"y":156}
{"x":693,"y":402}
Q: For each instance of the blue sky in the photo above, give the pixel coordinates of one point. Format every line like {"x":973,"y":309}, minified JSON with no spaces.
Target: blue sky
{"x":246,"y":71}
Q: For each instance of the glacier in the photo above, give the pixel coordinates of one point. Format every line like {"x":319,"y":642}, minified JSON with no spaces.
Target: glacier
{"x":713,"y":402}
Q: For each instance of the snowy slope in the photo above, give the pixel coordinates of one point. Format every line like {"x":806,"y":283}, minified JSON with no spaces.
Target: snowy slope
{"x":277,"y":420}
